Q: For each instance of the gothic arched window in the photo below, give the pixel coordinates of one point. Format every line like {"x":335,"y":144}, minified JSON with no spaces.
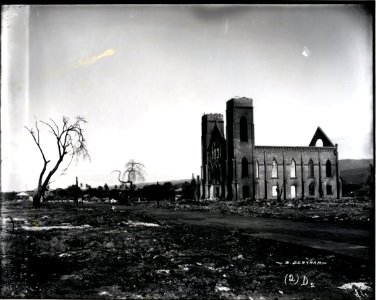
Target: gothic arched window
{"x":293,"y":192}
{"x":328,"y":169}
{"x":293,"y":169}
{"x":243,"y":130}
{"x":257,"y":169}
{"x":274,"y":169}
{"x":311,"y":172}
{"x":244,"y":167}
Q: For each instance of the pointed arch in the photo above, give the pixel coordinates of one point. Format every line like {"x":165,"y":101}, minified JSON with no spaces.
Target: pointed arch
{"x":311,"y":171}
{"x":243,"y":130}
{"x":328,"y":168}
{"x":274,"y":168}
{"x":293,"y":169}
{"x":257,"y":169}
{"x":319,"y":143}
{"x":244,"y":167}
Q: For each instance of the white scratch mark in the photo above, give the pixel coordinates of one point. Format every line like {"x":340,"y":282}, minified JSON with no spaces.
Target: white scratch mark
{"x":39,"y":228}
{"x":95,"y":58}
{"x":226,"y":27}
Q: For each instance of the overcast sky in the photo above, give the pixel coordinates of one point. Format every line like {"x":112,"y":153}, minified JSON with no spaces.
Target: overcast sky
{"x":144,"y":75}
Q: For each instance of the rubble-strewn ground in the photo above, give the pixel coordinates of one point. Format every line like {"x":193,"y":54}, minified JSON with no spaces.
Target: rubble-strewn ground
{"x":343,"y":211}
{"x":59,"y":251}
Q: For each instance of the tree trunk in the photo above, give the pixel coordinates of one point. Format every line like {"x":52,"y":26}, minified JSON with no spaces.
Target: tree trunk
{"x":43,"y":188}
{"x":39,"y":195}
{"x":76,"y":194}
{"x":36,"y":200}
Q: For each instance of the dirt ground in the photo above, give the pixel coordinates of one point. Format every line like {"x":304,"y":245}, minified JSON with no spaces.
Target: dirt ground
{"x":357,"y":212}
{"x":60,"y":251}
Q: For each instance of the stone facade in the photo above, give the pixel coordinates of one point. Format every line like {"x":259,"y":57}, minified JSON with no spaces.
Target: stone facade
{"x":234,"y":168}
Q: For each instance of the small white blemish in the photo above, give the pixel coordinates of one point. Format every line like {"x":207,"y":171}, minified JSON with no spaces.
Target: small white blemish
{"x":306,"y":52}
{"x":358,"y":285}
{"x":221,"y":288}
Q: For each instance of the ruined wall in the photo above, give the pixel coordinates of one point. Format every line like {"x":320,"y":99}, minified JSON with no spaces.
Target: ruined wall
{"x":284,"y":156}
{"x":258,"y":182}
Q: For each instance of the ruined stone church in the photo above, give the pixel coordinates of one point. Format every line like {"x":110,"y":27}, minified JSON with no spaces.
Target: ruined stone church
{"x":233,"y":167}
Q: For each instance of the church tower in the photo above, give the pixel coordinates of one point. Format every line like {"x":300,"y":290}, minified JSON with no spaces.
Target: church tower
{"x":213,"y":151}
{"x":240,"y":145}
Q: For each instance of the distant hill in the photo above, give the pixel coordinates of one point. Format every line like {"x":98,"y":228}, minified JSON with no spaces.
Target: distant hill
{"x":176,"y":183}
{"x":354,"y":171}
{"x":345,"y":164}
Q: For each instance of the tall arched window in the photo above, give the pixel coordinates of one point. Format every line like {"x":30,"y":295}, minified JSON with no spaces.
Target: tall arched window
{"x":328,"y":169}
{"x":293,"y":192}
{"x":293,"y":169}
{"x":244,"y":167}
{"x":311,"y":172}
{"x":274,"y":169}
{"x":243,"y":130}
{"x":257,"y":169}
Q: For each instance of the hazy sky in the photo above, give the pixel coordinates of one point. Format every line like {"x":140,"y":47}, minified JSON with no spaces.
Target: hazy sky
{"x":144,"y":75}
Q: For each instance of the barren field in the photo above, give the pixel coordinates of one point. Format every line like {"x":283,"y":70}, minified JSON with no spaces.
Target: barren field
{"x":356,"y":212}
{"x":60,"y":251}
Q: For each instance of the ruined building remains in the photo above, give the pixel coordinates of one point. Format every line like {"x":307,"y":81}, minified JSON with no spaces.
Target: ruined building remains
{"x":233,"y":167}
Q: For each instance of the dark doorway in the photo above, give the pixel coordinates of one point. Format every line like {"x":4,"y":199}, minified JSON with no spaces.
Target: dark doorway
{"x":245,"y":191}
{"x":329,"y":190}
{"x":312,"y":189}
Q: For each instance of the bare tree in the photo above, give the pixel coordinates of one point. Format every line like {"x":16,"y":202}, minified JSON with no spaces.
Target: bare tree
{"x":134,"y":172}
{"x":70,"y":143}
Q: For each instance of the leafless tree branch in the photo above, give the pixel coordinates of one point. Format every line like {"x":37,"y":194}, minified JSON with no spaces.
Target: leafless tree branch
{"x":70,"y":142}
{"x":134,"y":172}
